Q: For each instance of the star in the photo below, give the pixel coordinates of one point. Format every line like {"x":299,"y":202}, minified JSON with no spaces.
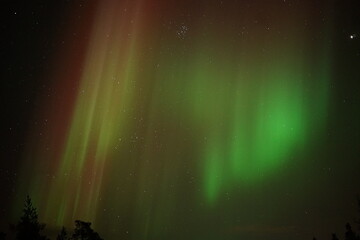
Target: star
{"x":182,"y":31}
{"x":352,"y":36}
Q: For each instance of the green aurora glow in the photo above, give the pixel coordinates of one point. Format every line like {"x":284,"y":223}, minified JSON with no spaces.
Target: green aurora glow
{"x":231,"y":111}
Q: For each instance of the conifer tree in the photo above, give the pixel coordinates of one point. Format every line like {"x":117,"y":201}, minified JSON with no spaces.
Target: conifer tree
{"x":349,"y":234}
{"x":334,"y":237}
{"x":62,"y":235}
{"x":83,"y":231}
{"x":2,"y":236}
{"x":29,"y":228}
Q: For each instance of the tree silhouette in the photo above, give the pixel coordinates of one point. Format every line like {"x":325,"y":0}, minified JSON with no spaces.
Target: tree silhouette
{"x":349,"y":234}
{"x":358,"y":220}
{"x":83,"y":231}
{"x":62,"y":235}
{"x":29,"y":228}
{"x":2,"y":236}
{"x":334,"y":237}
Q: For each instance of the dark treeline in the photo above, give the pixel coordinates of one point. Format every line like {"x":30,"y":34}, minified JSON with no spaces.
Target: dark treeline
{"x":29,"y":228}
{"x":349,"y":234}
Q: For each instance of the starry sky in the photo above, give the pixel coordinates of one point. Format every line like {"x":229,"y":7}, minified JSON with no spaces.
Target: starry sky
{"x":160,"y":119}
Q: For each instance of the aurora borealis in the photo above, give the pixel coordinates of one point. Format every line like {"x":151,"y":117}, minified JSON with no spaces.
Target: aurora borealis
{"x":187,"y":119}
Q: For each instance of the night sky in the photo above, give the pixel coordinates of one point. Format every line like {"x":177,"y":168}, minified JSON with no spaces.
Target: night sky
{"x":168,"y":119}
